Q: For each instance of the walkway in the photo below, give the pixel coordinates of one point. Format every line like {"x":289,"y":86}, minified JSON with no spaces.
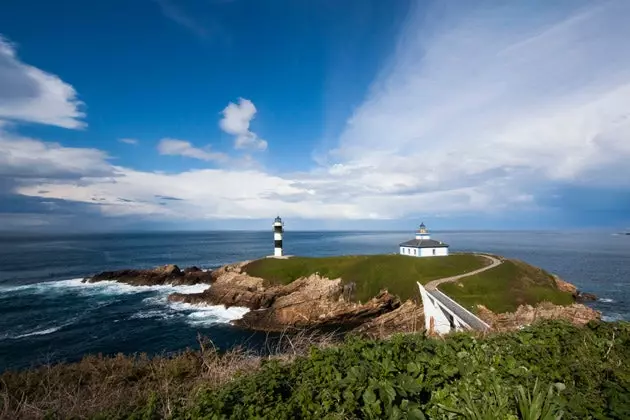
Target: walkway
{"x":432,"y":285}
{"x":448,"y":305}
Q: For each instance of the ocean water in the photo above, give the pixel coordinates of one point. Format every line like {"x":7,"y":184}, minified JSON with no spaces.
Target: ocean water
{"x":47,"y":314}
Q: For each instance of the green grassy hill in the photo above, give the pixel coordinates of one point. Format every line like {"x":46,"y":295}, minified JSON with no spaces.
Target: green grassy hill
{"x":369,"y":273}
{"x":504,"y":288}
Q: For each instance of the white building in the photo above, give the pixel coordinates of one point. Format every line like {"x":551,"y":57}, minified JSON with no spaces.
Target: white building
{"x":423,"y":245}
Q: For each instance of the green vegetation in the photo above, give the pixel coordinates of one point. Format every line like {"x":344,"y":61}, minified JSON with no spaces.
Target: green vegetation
{"x":541,"y":372}
{"x":504,"y":288}
{"x":416,"y":377}
{"x":369,"y":273}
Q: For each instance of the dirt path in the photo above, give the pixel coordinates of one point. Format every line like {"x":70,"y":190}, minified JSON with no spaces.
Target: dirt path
{"x":432,"y":285}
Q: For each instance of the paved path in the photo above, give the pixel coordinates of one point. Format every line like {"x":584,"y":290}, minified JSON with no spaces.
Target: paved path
{"x":432,"y":285}
{"x":462,"y":313}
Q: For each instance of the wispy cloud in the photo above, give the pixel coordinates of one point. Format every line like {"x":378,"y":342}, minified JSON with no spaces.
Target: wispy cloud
{"x":495,"y":102}
{"x":486,"y":109}
{"x":236,"y":121}
{"x":174,"y":12}
{"x":128,"y":141}
{"x":174,"y":147}
{"x":31,"y":95}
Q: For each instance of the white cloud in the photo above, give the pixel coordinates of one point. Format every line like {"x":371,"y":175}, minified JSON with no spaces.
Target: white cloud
{"x":236,"y":121}
{"x":128,"y":141}
{"x":497,"y":100}
{"x":31,"y":95}
{"x":174,"y":147}
{"x":22,"y":157}
{"x":477,"y":112}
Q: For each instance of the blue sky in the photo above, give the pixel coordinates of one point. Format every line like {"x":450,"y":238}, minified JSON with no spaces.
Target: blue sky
{"x":354,"y":114}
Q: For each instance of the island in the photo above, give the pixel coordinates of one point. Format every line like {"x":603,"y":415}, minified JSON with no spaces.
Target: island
{"x":375,"y":295}
{"x":386,"y":364}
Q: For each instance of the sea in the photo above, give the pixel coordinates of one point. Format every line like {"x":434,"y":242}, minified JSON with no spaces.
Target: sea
{"x":48,"y":315}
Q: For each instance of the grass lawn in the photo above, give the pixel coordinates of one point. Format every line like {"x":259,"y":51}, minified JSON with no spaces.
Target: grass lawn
{"x":504,"y":288}
{"x":370,"y":273}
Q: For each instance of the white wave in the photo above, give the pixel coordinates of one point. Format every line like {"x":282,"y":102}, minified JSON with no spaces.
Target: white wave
{"x":107,"y":287}
{"x":39,"y":332}
{"x":606,"y":300}
{"x":161,"y":314}
{"x":46,"y":329}
{"x":614,"y":317}
{"x":208,"y":314}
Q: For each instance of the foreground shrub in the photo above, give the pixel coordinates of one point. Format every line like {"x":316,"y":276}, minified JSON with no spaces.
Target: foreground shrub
{"x":548,"y":371}
{"x":513,"y":375}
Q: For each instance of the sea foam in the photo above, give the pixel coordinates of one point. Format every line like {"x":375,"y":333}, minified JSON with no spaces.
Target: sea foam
{"x":155,"y":306}
{"x":208,"y":314}
{"x":107,"y":287}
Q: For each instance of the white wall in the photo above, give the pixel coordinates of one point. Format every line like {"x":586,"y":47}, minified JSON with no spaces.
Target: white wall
{"x":433,"y":252}
{"x":441,"y":325}
{"x":423,"y":252}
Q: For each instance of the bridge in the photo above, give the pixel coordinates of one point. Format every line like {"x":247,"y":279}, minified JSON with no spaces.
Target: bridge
{"x":442,"y":314}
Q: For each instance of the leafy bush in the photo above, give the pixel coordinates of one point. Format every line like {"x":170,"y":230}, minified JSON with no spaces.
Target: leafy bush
{"x":514,"y":375}
{"x":548,"y":371}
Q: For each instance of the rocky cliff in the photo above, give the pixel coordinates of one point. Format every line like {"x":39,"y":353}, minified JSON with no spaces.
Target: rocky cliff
{"x":168,"y":274}
{"x":576,"y":314}
{"x":312,"y":301}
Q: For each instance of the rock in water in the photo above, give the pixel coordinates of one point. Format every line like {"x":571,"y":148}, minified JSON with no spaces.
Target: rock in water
{"x":578,"y":295}
{"x":168,"y":274}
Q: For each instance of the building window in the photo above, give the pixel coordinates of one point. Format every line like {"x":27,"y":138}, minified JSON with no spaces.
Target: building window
{"x":433,"y":251}
{"x":415,"y":252}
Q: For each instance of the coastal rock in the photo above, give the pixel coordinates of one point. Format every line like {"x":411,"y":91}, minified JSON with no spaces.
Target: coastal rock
{"x":578,"y":295}
{"x":307,"y":302}
{"x":585,"y":297}
{"x":577,"y":314}
{"x":168,"y":274}
{"x":565,"y":286}
{"x":407,"y":318}
{"x":228,"y":296}
{"x":299,"y":310}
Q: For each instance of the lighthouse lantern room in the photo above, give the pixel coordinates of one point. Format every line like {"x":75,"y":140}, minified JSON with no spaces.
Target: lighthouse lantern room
{"x":278,"y":229}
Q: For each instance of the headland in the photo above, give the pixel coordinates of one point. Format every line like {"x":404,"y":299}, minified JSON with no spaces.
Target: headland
{"x":376,"y":295}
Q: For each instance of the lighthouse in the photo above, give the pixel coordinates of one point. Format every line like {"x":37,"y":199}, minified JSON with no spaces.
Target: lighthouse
{"x":423,"y":245}
{"x":278,"y":228}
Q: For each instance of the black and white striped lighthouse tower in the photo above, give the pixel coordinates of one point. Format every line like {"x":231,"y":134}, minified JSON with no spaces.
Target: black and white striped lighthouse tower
{"x":278,"y":228}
